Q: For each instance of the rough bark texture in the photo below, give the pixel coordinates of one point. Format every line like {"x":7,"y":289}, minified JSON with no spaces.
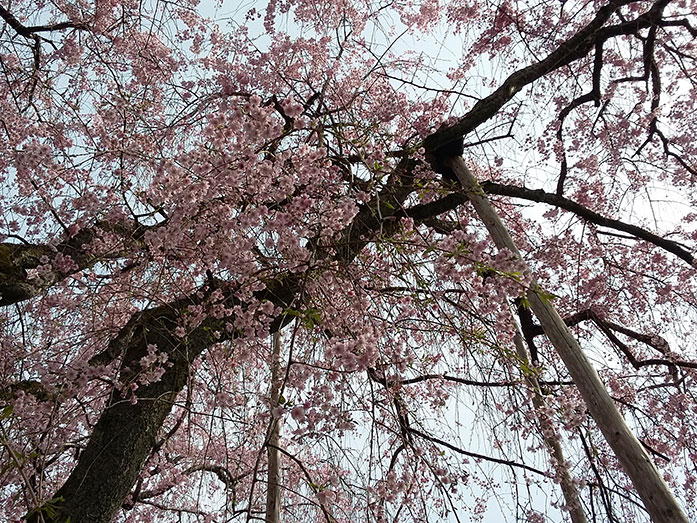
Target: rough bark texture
{"x":657,"y":497}
{"x":126,"y":434}
{"x":17,"y":259}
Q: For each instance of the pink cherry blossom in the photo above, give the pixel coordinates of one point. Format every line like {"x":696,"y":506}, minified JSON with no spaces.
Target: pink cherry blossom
{"x":184,"y":184}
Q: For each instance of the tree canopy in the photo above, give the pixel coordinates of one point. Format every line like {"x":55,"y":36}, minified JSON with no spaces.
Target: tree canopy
{"x":348,"y":261}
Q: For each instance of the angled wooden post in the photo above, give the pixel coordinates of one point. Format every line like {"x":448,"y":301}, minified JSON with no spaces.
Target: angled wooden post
{"x":653,"y":490}
{"x":568,"y":488}
{"x":273,"y":479}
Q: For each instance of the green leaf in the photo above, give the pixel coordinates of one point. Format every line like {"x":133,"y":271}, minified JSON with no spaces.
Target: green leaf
{"x":49,"y":508}
{"x":6,"y":412}
{"x":308,"y":317}
{"x":524,"y":302}
{"x":546,"y":297}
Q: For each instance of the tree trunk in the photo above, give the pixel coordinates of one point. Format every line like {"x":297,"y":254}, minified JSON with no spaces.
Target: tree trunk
{"x":657,"y":497}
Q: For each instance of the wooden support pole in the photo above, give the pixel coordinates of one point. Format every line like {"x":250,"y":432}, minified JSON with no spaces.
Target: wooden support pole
{"x":648,"y":482}
{"x":273,"y":478}
{"x":568,"y":487}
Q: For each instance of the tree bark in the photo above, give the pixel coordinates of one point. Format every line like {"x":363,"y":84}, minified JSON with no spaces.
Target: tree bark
{"x":657,"y":497}
{"x":126,"y":434}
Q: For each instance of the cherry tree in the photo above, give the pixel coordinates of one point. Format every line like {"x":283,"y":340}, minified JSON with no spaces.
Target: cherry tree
{"x":348,"y":261}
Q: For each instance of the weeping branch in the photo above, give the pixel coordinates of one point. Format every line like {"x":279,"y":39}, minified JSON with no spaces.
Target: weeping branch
{"x":657,"y":497}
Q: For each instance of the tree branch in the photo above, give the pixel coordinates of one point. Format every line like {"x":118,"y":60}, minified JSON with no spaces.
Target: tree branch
{"x":538,"y":195}
{"x":30,"y":31}
{"x":126,"y":432}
